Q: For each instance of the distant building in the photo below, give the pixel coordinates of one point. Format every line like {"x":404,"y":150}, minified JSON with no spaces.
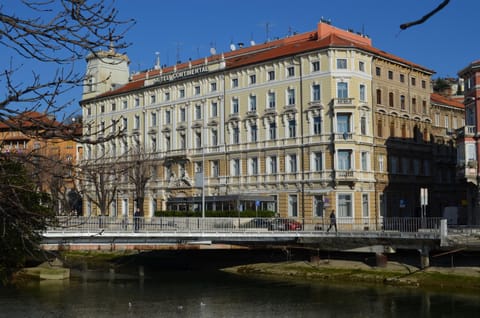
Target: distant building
{"x":35,"y":139}
{"x":468,"y":143}
{"x":301,"y":125}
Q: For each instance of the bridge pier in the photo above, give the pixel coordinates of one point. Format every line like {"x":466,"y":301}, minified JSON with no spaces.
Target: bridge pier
{"x":424,"y":257}
{"x":381,"y":259}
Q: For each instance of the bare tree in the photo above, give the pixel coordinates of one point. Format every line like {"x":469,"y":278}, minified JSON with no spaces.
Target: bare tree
{"x":139,"y":167}
{"x":56,"y":33}
{"x":99,"y":181}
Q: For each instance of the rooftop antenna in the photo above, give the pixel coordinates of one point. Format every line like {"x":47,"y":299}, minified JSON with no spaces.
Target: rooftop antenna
{"x":252,"y":42}
{"x":267,"y":31}
{"x":232,"y":47}
{"x":213,"y":50}
{"x":157,"y":61}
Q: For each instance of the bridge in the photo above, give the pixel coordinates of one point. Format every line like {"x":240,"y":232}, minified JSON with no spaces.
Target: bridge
{"x":167,"y":233}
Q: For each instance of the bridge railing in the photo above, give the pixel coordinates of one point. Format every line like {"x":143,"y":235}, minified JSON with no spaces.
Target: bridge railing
{"x":189,"y":224}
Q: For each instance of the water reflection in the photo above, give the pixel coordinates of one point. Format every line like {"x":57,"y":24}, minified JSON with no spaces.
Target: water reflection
{"x":217,"y":294}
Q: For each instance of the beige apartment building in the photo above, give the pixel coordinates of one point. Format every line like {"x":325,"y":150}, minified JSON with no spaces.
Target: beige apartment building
{"x":300,"y":126}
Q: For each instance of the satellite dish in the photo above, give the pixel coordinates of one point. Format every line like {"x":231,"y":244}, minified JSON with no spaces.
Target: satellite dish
{"x":232,"y":47}
{"x":252,"y":42}
{"x":213,"y":51}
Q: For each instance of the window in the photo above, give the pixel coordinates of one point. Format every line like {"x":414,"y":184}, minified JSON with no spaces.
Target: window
{"x":102,"y":108}
{"x":424,"y":106}
{"x":365,"y":212}
{"x":253,"y":79}
{"x":253,"y":133}
{"x":252,"y":103}
{"x":167,"y":96}
{"x":213,"y":87}
{"x":198,"y":139}
{"x":390,"y":75}
{"x":315,"y":66}
{"x":344,"y":205}
{"x":381,"y":163}
{"x":271,"y":99}
{"x":316,"y":92}
{"x":391,"y":98}
{"x":290,"y":71}
{"x":234,"y":105}
{"x":341,"y":64}
{"x":197,"y":90}
{"x":318,"y":206}
{"x":214,"y":107}
{"x":290,"y":96}
{"x":273,"y":131}
{"x":198,"y":112}
{"x":361,"y":66}
{"x":437,"y":119}
{"x":181,"y":93}
{"x":136,"y":123}
{"x":317,"y":125}
{"x":234,"y":82}
{"x":414,"y":81}
{"x":254,"y":166}
{"x":125,"y":104}
{"x":271,"y":75}
{"x":137,"y":102}
{"x":363,"y":125}
{"x":292,"y":127}
{"x":183,"y":141}
{"x":292,"y":163}
{"x":168,"y":144}
{"x":424,"y":84}
{"x":342,"y":90}
{"x":215,"y":165}
{"x":379,"y":96}
{"x":378,"y":71}
{"x":125,"y":124}
{"x":153,"y":99}
{"x":344,"y":160}
{"x":198,"y":166}
{"x":182,"y":114}
{"x":236,"y":167}
{"x":414,"y":104}
{"x":343,"y":123}
{"x":292,"y":205}
{"x":236,"y":135}
{"x":402,"y":101}
{"x":153,"y":119}
{"x":317,"y":161}
{"x":273,"y":164}
{"x":446,"y":121}
{"x":114,"y":107}
{"x":402,"y":78}
{"x":168,"y":118}
{"x":102,"y":127}
{"x":214,"y":137}
{"x":362,"y":93}
{"x":364,"y":160}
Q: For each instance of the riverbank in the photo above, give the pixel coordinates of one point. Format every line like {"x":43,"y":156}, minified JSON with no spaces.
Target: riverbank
{"x":343,"y":271}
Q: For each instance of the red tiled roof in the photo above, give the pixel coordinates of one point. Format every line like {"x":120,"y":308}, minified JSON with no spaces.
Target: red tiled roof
{"x":29,"y":120}
{"x":437,"y":98}
{"x":275,"y":49}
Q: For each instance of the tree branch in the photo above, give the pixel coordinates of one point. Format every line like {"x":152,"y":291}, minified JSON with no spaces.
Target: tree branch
{"x":425,"y":17}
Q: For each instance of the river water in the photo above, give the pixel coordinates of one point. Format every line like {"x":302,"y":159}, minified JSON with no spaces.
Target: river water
{"x":208,"y":293}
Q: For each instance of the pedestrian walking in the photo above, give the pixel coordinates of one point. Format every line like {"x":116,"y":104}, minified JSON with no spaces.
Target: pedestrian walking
{"x":333,"y":221}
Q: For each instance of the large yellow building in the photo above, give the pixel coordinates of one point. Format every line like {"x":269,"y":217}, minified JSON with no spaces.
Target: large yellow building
{"x":298,"y":125}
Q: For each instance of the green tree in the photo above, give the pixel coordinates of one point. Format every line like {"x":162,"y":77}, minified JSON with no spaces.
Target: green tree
{"x":24,"y":214}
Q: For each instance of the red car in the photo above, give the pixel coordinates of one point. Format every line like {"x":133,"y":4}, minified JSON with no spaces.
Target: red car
{"x":285,"y":225}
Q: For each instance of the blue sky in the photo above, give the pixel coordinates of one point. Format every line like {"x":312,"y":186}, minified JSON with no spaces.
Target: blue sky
{"x":189,"y":28}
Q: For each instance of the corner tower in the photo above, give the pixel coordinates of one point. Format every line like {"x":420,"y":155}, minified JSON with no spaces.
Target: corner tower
{"x":106,"y":70}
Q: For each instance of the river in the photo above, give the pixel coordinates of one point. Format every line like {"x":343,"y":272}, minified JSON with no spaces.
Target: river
{"x":209,"y":293}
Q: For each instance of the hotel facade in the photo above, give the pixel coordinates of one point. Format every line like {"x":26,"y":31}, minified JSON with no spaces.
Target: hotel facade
{"x":301,"y":126}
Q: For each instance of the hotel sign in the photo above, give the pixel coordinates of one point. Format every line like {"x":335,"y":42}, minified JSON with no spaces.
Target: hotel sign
{"x":182,"y":74}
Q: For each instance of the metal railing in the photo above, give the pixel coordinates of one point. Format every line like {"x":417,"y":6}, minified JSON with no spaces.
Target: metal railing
{"x":97,"y":224}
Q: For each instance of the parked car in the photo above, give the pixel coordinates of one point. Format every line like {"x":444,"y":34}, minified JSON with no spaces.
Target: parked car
{"x":285,"y":225}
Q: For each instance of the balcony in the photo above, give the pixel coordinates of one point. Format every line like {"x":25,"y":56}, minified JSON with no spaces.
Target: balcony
{"x":344,"y":102}
{"x":467,"y":131}
{"x":468,"y":171}
{"x":343,"y":136}
{"x":252,"y":113}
